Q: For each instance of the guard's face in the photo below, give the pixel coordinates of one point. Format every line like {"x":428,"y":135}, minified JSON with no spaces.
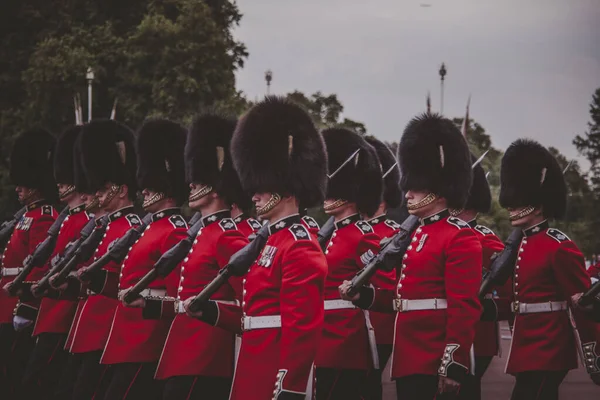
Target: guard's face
{"x":415,"y":197}
{"x":198,"y":198}
{"x":331,"y":208}
{"x":23,"y":193}
{"x":62,"y":189}
{"x":150,"y":200}
{"x":521,"y":218}
{"x":261,"y":200}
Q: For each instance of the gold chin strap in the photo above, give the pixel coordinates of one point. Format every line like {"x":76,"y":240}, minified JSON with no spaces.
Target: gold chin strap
{"x":430,"y":198}
{"x":203,"y":191}
{"x":95,"y":203}
{"x":112,"y":192}
{"x":336,"y":204}
{"x":153,"y":200}
{"x":67,"y":192}
{"x":523,"y":213}
{"x":456,"y":212}
{"x":273,"y":201}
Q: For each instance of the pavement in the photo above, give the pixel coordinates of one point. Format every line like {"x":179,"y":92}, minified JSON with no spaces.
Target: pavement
{"x":497,"y":385}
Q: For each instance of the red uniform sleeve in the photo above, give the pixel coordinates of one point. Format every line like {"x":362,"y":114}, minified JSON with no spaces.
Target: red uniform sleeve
{"x":301,"y":303}
{"x":172,"y":280}
{"x":367,"y":248}
{"x":462,"y":279}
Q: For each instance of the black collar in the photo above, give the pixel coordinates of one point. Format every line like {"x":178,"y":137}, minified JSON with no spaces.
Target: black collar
{"x":36,"y":204}
{"x":120,"y":213}
{"x":219,"y":215}
{"x":347,"y":221}
{"x":541,"y":227}
{"x":77,"y":209}
{"x":167,"y":212}
{"x":436,"y":217}
{"x":239,"y":218}
{"x":377,"y":219}
{"x":284,"y":223}
{"x":472,"y":223}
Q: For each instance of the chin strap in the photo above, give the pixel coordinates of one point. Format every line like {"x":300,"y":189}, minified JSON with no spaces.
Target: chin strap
{"x":112,"y":193}
{"x":95,"y":203}
{"x":430,"y":198}
{"x":336,"y":204}
{"x":523,"y":213}
{"x":70,"y":189}
{"x":153,"y":200}
{"x":30,"y":194}
{"x":203,"y":191}
{"x":273,"y":201}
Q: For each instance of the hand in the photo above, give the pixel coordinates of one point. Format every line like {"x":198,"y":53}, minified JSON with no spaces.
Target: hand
{"x":61,"y":287}
{"x":575,"y":302}
{"x":8,"y":288}
{"x":186,"y":305}
{"x":35,"y":292}
{"x":447,"y":385}
{"x":343,"y":289}
{"x":80,"y":274}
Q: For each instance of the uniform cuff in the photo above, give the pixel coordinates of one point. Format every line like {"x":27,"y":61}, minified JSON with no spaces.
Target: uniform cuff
{"x":449,"y":368}
{"x":367,"y":295}
{"x":210,"y":313}
{"x":280,"y":393}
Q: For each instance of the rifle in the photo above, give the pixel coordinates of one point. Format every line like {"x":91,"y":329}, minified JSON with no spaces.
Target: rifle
{"x":83,"y":253}
{"x":118,"y":251}
{"x":588,"y":297}
{"x":325,"y":233}
{"x":44,"y":283}
{"x":503,"y":264}
{"x":388,"y":257}
{"x":7,"y":227}
{"x":168,"y":261}
{"x":238,"y":265}
{"x":40,"y":255}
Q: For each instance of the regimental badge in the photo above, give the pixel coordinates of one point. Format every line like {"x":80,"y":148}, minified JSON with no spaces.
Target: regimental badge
{"x":557,"y":235}
{"x":25,"y":223}
{"x":47,"y":210}
{"x":392,"y":224}
{"x":457,"y":222}
{"x":484,"y":230}
{"x":227,"y":224}
{"x":212,"y":218}
{"x":177,"y":221}
{"x":299,"y":232}
{"x":254,"y":224}
{"x":421,"y":242}
{"x":267,"y":256}
{"x":364,"y":227}
{"x":310,"y":221}
{"x":133,"y":219}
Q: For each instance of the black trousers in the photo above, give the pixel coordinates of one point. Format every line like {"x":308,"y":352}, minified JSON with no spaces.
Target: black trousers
{"x":92,"y":377}
{"x":66,"y":382}
{"x":471,"y":388}
{"x":15,"y":348}
{"x":420,"y":387}
{"x":347,"y":384}
{"x":538,"y":385}
{"x":373,"y":385}
{"x":43,"y":370}
{"x":133,"y":381}
{"x":197,"y":388}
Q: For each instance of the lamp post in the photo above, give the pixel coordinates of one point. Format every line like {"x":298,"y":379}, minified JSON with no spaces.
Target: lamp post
{"x":442,"y":76}
{"x":90,"y":79}
{"x":268,"y":78}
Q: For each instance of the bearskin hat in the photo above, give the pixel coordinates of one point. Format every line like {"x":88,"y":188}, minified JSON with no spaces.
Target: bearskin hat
{"x":480,"y":196}
{"x":531,"y":176}
{"x":31,"y":162}
{"x":392,"y":195}
{"x":64,"y":162}
{"x":434,"y":157}
{"x":276,"y":148}
{"x":108,"y":154}
{"x":360,"y":179}
{"x":160,"y":166}
{"x":208,"y":157}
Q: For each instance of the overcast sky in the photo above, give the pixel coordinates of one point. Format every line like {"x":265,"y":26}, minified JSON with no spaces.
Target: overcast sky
{"x":530,"y":65}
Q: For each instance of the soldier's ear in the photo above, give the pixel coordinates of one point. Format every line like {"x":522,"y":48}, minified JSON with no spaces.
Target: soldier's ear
{"x":123,"y":191}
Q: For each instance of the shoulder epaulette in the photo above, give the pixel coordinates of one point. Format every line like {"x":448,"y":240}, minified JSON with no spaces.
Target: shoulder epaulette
{"x":457,"y":222}
{"x":392,"y":224}
{"x":557,"y":235}
{"x":227,"y":224}
{"x":484,"y":230}
{"x":177,"y":221}
{"x":299,"y":232}
{"x":254,"y":224}
{"x":364,"y":227}
{"x":310,"y":222}
{"x":133,"y":219}
{"x":46,"y":210}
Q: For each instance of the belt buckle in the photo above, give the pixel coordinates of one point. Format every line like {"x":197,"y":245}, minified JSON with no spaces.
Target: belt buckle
{"x":399,"y":307}
{"x":516,"y":306}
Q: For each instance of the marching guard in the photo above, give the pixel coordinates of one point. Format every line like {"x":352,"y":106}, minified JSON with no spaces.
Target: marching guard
{"x":549,"y":270}
{"x":347,"y":349}
{"x":31,"y":172}
{"x":280,"y":157}
{"x":436,"y":294}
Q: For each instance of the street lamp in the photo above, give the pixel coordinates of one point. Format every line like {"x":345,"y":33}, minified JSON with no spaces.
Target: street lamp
{"x":268,"y":78}
{"x":90,"y":79}
{"x":442,"y":75}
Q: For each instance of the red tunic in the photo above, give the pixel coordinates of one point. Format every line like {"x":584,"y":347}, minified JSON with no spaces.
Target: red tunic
{"x":90,"y":331}
{"x":550,"y":267}
{"x":384,"y":322}
{"x":345,"y":342}
{"x":594,"y":270}
{"x":311,"y":224}
{"x":287,"y":280}
{"x":30,"y":231}
{"x":193,"y":347}
{"x":132,"y":338}
{"x":246,"y":225}
{"x":443,"y":262}
{"x":56,"y":314}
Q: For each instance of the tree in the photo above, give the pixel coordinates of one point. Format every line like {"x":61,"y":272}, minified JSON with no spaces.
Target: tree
{"x":588,"y":145}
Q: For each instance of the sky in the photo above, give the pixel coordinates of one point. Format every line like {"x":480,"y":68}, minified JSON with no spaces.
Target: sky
{"x":530,"y":66}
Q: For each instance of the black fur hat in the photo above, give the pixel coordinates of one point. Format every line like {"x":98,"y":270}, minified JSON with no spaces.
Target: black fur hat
{"x":531,"y":176}
{"x":276,"y":148}
{"x":108,"y":154}
{"x":208,"y":157}
{"x":392,"y":195}
{"x":359,"y":180}
{"x":480,"y":197}
{"x":31,"y":162}
{"x":64,"y":154}
{"x":160,"y":165}
{"x":434,"y":157}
